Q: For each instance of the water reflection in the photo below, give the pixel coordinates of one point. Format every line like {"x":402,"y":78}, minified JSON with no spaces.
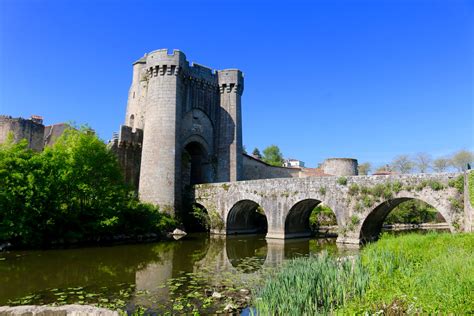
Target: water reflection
{"x":148,"y":267}
{"x":240,"y":249}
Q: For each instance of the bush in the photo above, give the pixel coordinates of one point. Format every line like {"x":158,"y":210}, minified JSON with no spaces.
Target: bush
{"x":435,"y":185}
{"x":411,"y":212}
{"x":322,"y":215}
{"x":353,"y":189}
{"x":73,"y":191}
{"x":342,"y":180}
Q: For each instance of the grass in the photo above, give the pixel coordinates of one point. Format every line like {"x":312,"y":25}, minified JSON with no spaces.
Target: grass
{"x":431,"y":273}
{"x":409,"y":274}
{"x":311,"y":286}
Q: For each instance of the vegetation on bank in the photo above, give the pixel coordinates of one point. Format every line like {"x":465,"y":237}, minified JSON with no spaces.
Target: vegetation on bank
{"x":71,"y":192}
{"x":412,"y":212}
{"x":310,"y":286}
{"x":432,"y":274}
{"x":409,"y":212}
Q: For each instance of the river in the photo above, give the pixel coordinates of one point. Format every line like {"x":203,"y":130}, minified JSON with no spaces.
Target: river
{"x":196,"y":273}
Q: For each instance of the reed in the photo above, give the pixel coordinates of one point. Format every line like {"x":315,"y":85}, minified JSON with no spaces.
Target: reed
{"x":311,"y":286}
{"x":409,"y":274}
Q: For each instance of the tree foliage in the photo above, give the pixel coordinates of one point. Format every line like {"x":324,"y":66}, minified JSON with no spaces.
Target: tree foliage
{"x":73,"y":191}
{"x":364,"y":168}
{"x":257,"y":153}
{"x":322,"y":215}
{"x":461,"y":159}
{"x":412,"y":212}
{"x":402,"y":164}
{"x":423,"y":162}
{"x":273,"y":156}
{"x":441,"y":164}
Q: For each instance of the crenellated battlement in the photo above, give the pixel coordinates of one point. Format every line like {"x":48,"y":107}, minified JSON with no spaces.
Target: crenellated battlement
{"x":128,"y":136}
{"x":162,"y":70}
{"x":171,"y":103}
{"x":231,"y":81}
{"x":162,"y":63}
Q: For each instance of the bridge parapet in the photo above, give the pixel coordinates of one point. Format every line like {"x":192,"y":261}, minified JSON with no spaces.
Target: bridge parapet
{"x":360,"y":203}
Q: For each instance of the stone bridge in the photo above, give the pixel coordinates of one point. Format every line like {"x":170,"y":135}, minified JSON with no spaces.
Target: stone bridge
{"x":282,"y":207}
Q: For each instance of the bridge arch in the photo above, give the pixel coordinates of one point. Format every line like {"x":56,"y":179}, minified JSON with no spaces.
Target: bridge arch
{"x":297,"y":220}
{"x":371,"y":226}
{"x":246,"y":217}
{"x":198,"y":219}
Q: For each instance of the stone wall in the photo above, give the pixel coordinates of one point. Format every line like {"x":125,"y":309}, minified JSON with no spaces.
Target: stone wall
{"x":128,"y":149}
{"x":181,"y":106}
{"x":22,"y":128}
{"x":53,"y":132}
{"x":254,"y":169}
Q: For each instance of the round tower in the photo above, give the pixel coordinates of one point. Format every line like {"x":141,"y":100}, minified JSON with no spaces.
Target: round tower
{"x":160,"y":163}
{"x":135,"y":113}
{"x":340,"y":166}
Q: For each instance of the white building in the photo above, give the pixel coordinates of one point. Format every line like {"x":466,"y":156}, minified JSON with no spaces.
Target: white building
{"x":293,"y":163}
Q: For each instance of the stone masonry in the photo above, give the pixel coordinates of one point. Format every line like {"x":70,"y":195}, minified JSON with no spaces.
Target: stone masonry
{"x":190,"y":119}
{"x":183,"y":126}
{"x":36,"y":134}
{"x":360,"y":203}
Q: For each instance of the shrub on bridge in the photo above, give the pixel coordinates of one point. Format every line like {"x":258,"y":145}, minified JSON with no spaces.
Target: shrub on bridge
{"x":342,"y":180}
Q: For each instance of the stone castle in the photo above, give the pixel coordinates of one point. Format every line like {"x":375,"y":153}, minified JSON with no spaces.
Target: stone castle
{"x":32,"y":129}
{"x":183,"y":126}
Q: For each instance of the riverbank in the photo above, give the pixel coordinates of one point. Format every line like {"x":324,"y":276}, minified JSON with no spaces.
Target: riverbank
{"x":408,"y":274}
{"x":65,"y":310}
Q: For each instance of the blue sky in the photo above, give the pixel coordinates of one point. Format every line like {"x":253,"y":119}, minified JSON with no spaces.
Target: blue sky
{"x":363,"y":79}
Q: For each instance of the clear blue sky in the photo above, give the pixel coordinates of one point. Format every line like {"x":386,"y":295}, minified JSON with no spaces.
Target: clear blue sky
{"x":363,"y":79}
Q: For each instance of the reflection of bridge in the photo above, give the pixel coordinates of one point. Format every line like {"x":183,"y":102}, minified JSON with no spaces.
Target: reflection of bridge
{"x":360,"y":203}
{"x":219,"y":255}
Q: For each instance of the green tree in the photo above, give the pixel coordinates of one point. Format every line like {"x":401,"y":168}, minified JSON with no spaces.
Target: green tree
{"x":364,"y":168}
{"x":461,"y":159}
{"x":423,"y":162}
{"x":73,"y":191}
{"x":441,"y":164}
{"x":273,"y":156}
{"x":411,"y":212}
{"x":402,"y":164}
{"x":256,"y":153}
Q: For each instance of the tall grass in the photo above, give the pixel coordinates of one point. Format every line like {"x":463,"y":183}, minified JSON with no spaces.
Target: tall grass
{"x":431,"y":273}
{"x":311,"y":286}
{"x":409,"y":274}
